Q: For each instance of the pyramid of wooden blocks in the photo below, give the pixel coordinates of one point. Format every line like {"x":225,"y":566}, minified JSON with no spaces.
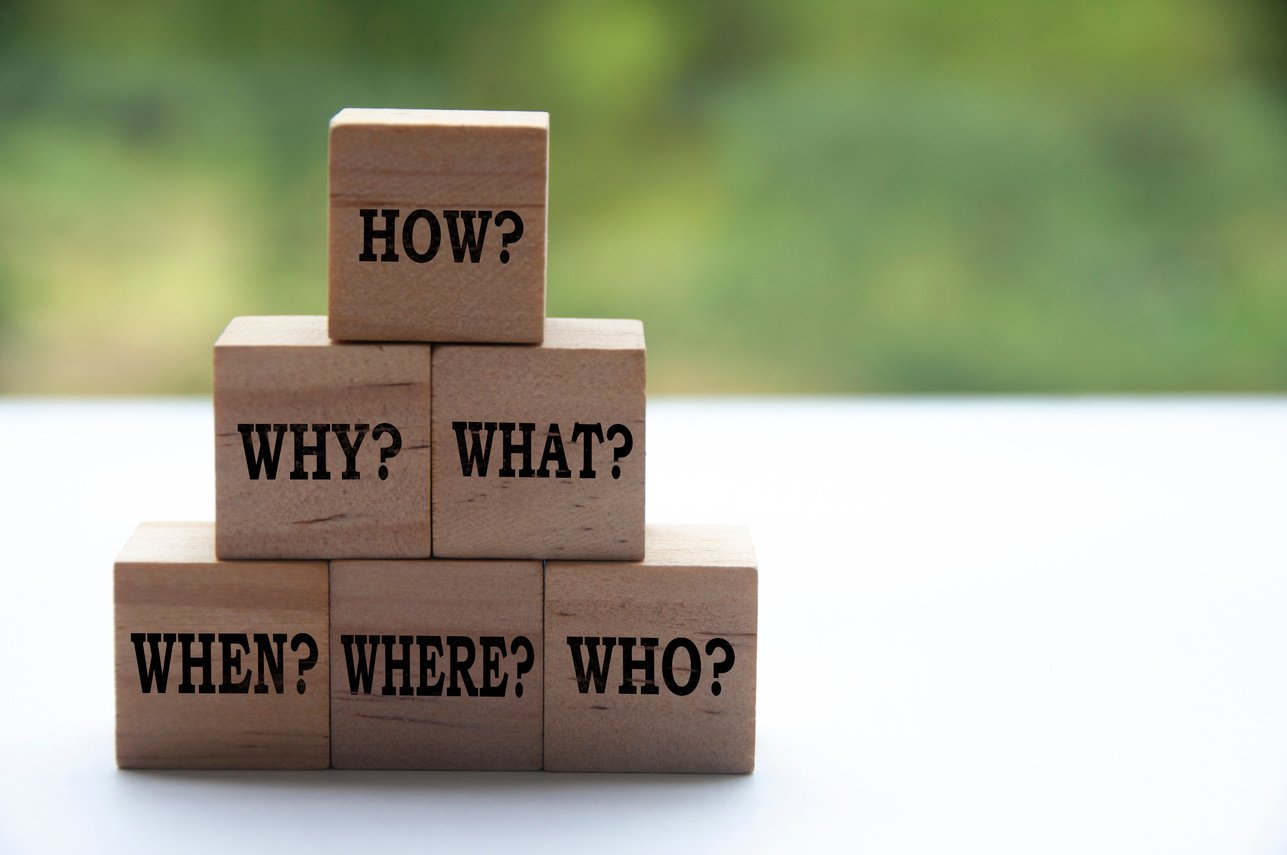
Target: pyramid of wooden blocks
{"x":429,"y":549}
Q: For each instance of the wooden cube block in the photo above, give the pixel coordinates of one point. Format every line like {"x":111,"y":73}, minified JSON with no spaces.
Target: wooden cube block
{"x":219,"y":664}
{"x":538,"y":451}
{"x":322,"y":449}
{"x":436,"y":664}
{"x":650,"y":666}
{"x":437,"y":225}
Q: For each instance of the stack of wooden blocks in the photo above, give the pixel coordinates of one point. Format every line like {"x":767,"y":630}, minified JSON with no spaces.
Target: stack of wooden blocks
{"x":430,"y":549}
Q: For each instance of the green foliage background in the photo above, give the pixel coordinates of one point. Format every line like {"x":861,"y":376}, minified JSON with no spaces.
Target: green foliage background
{"x":894,"y":195}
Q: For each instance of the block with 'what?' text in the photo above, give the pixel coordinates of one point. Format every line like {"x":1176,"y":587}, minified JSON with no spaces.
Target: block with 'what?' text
{"x":321,"y":448}
{"x":538,"y":450}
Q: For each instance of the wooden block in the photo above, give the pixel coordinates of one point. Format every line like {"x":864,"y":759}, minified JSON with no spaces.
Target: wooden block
{"x":436,"y":664}
{"x":322,"y":449}
{"x":685,"y":620}
{"x":437,"y":225}
{"x":538,"y":451}
{"x":219,"y":664}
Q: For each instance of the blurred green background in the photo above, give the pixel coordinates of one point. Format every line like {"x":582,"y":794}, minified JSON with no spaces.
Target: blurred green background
{"x":890,"y":196}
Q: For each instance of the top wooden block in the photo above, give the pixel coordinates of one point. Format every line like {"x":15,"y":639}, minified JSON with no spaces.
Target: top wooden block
{"x":437,"y":225}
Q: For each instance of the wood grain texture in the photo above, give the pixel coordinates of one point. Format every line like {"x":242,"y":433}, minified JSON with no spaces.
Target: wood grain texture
{"x":168,"y":582}
{"x":585,"y":371}
{"x":437,"y":160}
{"x":285,"y":370}
{"x":695,"y":583}
{"x":453,"y":605}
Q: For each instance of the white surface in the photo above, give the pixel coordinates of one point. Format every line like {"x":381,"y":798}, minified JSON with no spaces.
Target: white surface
{"x":985,"y":626}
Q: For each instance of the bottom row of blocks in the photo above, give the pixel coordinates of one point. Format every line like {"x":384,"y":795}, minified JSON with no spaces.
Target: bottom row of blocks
{"x":437,"y":664}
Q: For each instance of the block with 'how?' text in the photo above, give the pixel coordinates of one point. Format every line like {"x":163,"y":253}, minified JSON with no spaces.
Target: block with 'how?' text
{"x":437,"y":225}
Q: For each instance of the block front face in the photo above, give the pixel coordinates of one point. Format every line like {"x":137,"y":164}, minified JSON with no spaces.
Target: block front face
{"x":650,"y":666}
{"x":436,"y":665}
{"x":437,"y":225}
{"x":538,"y":451}
{"x":321,"y":449}
{"x":219,"y":665}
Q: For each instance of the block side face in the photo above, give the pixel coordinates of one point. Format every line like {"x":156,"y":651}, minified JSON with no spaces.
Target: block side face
{"x":470,"y":633}
{"x":351,"y":391}
{"x":577,"y":509}
{"x":217,"y":725}
{"x":685,"y":726}
{"x":450,"y":268}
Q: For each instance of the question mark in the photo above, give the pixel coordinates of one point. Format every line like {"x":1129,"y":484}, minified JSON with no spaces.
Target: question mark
{"x":724,"y":665}
{"x":622,"y":450}
{"x":308,"y":661}
{"x":389,"y":451}
{"x":524,"y":666}
{"x":510,"y":236}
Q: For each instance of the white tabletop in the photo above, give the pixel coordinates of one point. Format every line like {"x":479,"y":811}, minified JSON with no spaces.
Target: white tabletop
{"x":1007,"y":625}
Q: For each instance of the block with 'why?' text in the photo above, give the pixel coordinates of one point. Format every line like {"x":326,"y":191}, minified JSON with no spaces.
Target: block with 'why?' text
{"x":538,"y":451}
{"x":219,"y":664}
{"x":650,"y":666}
{"x":322,"y":448}
{"x":436,"y":664}
{"x":437,"y":225}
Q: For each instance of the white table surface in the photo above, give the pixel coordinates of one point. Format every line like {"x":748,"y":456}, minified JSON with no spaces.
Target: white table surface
{"x":1007,"y":625}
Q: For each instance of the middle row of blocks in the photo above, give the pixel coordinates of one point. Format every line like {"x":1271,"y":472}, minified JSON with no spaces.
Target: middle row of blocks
{"x":363,"y":450}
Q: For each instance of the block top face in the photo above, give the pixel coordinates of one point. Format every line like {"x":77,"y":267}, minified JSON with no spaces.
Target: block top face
{"x":437,"y":225}
{"x":692,"y":546}
{"x":568,"y":334}
{"x":275,"y":331}
{"x":593,"y":334}
{"x":697,"y":546}
{"x":384,"y":116}
{"x":170,"y":543}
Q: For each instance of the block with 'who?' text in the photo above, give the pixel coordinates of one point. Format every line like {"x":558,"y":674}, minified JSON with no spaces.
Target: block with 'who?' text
{"x":650,"y":666}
